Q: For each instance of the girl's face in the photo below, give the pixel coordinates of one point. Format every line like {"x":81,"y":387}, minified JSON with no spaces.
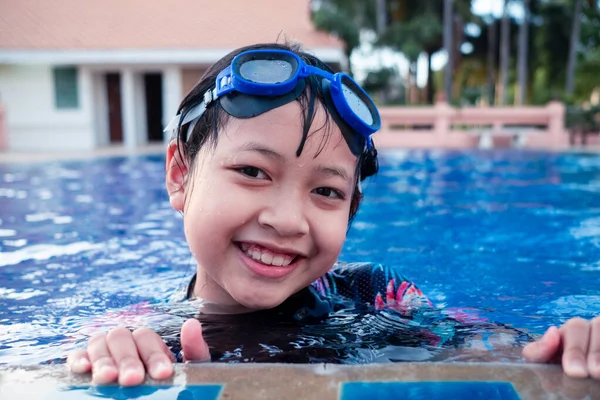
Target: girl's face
{"x":261,"y":222}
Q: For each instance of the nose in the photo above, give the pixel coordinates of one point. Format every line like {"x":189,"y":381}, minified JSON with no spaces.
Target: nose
{"x":285,"y":214}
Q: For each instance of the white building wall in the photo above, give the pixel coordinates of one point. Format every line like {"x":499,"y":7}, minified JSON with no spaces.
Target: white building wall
{"x":33,"y":121}
{"x":172,"y":96}
{"x":141,"y":125}
{"x":100,"y":106}
{"x":133,"y":108}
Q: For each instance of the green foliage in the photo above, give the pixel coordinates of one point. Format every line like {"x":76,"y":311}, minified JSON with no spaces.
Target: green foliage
{"x":552,"y":41}
{"x":588,"y":71}
{"x":339,"y":24}
{"x":414,"y":36}
{"x":414,"y":27}
{"x":379,"y":79}
{"x":345,"y":19}
{"x":583,"y":119}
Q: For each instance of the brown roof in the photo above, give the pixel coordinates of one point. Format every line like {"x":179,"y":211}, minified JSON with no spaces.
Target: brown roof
{"x":155,"y":24}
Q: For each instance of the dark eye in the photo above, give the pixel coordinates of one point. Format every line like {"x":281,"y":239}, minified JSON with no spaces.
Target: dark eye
{"x":252,"y":172}
{"x":329,"y":192}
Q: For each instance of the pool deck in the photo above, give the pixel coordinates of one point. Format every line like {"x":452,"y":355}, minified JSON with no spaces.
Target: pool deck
{"x":318,"y":381}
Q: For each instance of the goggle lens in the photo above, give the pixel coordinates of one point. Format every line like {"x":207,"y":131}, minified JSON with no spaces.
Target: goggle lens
{"x":357,"y":104}
{"x":266,"y":71}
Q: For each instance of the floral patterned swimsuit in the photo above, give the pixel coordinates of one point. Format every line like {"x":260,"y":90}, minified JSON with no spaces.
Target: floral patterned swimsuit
{"x":383,"y":306}
{"x":364,"y":284}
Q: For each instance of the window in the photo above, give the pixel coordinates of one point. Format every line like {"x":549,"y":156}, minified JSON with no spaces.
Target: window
{"x":65,"y":87}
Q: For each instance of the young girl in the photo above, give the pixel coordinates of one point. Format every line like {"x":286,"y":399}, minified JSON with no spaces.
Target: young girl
{"x":266,"y":168}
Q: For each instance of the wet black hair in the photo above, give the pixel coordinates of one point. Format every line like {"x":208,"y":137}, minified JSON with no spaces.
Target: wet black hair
{"x":205,"y":131}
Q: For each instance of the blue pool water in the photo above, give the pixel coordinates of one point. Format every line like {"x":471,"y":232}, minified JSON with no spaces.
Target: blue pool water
{"x":513,"y":235}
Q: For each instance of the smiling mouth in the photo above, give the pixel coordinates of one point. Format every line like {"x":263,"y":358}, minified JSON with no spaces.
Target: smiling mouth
{"x":266,"y":256}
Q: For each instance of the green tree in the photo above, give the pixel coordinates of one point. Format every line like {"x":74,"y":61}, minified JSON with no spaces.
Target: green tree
{"x":415,"y":27}
{"x":411,"y":27}
{"x":587,"y":76}
{"x":345,"y":19}
{"x":553,"y":41}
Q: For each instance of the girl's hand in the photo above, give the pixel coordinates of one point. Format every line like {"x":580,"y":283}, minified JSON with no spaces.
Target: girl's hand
{"x":576,"y":344}
{"x":126,"y":356}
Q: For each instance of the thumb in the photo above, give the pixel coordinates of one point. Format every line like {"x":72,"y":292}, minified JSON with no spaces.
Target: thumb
{"x":545,"y":349}
{"x":193,"y":344}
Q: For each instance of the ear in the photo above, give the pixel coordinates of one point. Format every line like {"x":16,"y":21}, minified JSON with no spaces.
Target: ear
{"x":177,"y":170}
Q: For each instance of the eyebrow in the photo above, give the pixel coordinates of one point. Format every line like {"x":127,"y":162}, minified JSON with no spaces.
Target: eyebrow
{"x":262,"y":149}
{"x":334,"y":172}
{"x":329,"y":171}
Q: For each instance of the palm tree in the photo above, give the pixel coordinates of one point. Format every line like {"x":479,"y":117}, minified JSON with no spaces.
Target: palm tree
{"x":411,"y":27}
{"x":504,"y":54}
{"x":575,"y":28}
{"x":522,"y":61}
{"x":448,"y":46}
{"x":492,"y":50}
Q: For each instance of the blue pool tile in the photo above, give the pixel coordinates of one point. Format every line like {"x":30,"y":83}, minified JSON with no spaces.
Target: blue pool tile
{"x":188,"y":392}
{"x":428,"y":390}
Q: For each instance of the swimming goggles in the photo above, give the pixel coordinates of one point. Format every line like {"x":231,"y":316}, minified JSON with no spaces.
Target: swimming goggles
{"x":280,"y":74}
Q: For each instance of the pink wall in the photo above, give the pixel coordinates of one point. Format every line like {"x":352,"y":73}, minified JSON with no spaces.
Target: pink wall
{"x":448,"y":127}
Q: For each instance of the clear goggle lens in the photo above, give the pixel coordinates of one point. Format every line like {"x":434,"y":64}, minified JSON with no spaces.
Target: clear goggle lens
{"x":264,"y":71}
{"x":357,"y":104}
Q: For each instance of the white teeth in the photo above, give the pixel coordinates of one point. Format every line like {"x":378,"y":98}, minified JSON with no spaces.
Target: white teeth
{"x":265,"y":256}
{"x":277,"y":260}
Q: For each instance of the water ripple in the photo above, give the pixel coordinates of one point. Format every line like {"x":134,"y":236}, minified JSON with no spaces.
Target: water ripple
{"x":45,"y":252}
